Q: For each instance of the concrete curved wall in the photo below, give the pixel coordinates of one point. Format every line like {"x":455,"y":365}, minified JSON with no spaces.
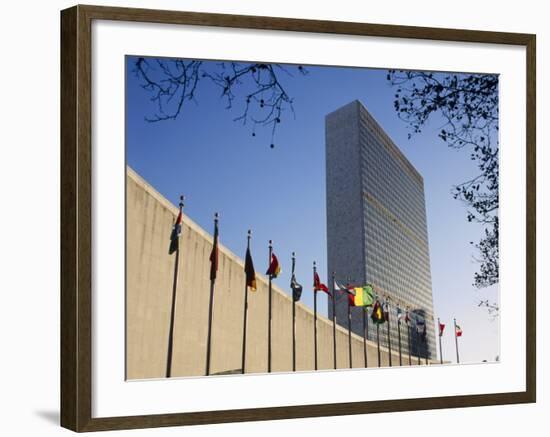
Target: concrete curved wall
{"x":149,"y":275}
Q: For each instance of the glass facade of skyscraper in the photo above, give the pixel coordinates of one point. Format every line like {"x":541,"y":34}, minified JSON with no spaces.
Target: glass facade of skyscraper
{"x":384,"y":195}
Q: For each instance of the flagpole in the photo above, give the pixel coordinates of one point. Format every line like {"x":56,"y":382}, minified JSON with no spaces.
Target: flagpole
{"x":456,"y":344}
{"x":378,"y":341}
{"x":426,"y":348}
{"x":314,"y":315}
{"x":389,"y":335}
{"x":245,"y":309}
{"x":409,"y":335}
{"x":293,"y":318}
{"x":269,"y":313}
{"x":173,"y":307}
{"x":399,"y":337}
{"x":440,"y":349}
{"x":365,"y":335}
{"x":212,"y":283}
{"x":417,"y":345}
{"x":334,"y":319}
{"x":349,"y":335}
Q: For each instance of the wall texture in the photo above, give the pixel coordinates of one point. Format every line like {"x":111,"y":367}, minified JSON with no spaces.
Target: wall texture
{"x":149,"y":276}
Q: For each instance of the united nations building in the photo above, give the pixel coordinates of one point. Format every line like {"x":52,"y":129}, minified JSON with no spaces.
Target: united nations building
{"x":376,"y":225}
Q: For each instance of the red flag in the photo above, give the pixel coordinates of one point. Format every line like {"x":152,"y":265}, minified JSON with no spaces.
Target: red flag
{"x":274,"y":267}
{"x":318,"y":285}
{"x":458,"y":331}
{"x":441,"y":328}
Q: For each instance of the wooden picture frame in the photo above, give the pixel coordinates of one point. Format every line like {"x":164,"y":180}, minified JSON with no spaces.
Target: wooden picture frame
{"x":76,"y":217}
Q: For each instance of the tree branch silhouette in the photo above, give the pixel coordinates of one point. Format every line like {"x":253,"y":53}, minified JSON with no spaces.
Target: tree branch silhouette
{"x":468,"y":104}
{"x":257,"y":88}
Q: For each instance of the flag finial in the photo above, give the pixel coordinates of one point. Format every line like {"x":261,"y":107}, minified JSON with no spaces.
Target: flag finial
{"x":182,"y":198}
{"x":216,"y":216}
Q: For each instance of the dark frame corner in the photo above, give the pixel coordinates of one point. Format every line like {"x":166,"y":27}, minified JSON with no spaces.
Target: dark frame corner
{"x":76,"y":221}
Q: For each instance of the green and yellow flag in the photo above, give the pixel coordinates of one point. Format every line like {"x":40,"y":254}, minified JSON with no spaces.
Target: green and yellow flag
{"x":364,"y":296}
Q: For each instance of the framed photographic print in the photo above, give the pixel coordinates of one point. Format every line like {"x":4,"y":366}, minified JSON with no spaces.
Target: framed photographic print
{"x":268,"y":218}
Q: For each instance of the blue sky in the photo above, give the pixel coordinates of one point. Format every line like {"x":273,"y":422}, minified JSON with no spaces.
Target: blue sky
{"x":279,"y":192}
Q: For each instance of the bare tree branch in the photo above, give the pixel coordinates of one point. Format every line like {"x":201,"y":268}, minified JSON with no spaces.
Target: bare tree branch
{"x":468,"y":104}
{"x":256,"y":87}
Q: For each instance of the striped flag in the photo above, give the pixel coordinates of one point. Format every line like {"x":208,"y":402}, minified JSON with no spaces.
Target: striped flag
{"x":274,"y":268}
{"x":348,"y":290}
{"x":249,"y":271}
{"x":363,"y":296}
{"x":340,"y":287}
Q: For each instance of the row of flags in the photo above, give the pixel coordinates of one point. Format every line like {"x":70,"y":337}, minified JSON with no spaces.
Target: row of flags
{"x":357,"y":295}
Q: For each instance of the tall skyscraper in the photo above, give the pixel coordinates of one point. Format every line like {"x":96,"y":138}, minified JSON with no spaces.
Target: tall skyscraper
{"x":376,"y":224}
